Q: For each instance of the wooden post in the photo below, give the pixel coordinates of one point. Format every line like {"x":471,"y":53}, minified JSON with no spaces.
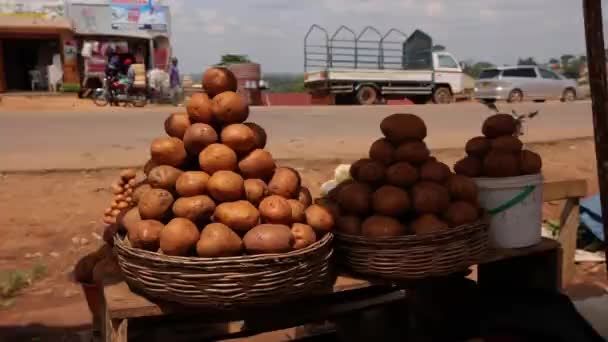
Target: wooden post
{"x":596,"y":57}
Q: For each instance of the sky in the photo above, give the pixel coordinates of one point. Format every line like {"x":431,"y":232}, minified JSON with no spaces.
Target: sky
{"x":271,"y":32}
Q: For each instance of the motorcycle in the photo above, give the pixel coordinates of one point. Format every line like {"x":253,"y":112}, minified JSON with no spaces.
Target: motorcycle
{"x":116,"y":91}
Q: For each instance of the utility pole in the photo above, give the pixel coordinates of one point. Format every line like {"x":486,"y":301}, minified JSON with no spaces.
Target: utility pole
{"x":596,"y":63}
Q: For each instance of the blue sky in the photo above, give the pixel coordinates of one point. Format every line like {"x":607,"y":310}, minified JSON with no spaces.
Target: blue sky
{"x":271,"y":32}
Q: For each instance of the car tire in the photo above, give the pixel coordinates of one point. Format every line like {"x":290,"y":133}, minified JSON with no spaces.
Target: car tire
{"x":569,"y":95}
{"x":515,"y":95}
{"x":366,"y":95}
{"x":442,"y":95}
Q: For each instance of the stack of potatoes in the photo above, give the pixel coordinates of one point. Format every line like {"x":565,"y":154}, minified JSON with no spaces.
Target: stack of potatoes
{"x":212,"y":190}
{"x":401,"y":189}
{"x":499,"y":152}
{"x":122,"y":189}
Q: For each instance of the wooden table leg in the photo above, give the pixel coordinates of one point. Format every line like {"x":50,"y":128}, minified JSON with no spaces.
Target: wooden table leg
{"x":113,"y":330}
{"x":569,"y":222}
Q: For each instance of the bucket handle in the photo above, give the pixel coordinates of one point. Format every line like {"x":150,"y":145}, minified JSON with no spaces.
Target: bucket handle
{"x":510,"y":203}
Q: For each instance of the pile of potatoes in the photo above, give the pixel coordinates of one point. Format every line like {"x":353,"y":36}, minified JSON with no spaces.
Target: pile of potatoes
{"x":401,"y":189}
{"x":122,"y":189}
{"x":499,"y":152}
{"x":212,"y":190}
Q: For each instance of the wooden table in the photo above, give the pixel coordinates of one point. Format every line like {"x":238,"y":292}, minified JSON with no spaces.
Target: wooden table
{"x":129,"y":316}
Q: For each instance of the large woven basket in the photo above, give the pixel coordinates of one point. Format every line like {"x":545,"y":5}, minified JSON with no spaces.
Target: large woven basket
{"x":227,"y":282}
{"x":414,"y":257}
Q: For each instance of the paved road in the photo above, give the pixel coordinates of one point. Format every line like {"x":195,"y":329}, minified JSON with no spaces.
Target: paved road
{"x":74,"y":140}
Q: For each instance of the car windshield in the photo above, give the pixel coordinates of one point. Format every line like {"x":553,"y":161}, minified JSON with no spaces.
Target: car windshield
{"x":489,"y":73}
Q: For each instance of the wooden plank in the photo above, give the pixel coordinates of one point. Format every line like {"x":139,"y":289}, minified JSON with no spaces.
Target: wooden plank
{"x":123,"y":303}
{"x":499,"y":254}
{"x":561,"y":190}
{"x":569,"y":223}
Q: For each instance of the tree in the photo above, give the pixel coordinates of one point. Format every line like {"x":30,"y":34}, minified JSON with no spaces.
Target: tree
{"x":474,"y":69}
{"x":566,"y":60}
{"x":438,"y":47}
{"x":553,"y":61}
{"x":234,"y":59}
{"x":526,"y":61}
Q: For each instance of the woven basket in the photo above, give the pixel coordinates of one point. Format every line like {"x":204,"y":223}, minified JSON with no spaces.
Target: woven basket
{"x":414,"y":257}
{"x":227,"y":282}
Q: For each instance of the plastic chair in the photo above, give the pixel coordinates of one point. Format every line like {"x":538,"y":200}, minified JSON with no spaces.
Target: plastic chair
{"x":35,"y":79}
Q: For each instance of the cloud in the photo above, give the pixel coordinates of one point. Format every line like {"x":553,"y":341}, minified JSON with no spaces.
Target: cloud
{"x":434,"y":8}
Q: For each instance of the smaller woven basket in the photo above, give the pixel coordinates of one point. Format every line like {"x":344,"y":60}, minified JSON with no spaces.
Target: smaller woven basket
{"x":227,"y":282}
{"x":414,"y":257}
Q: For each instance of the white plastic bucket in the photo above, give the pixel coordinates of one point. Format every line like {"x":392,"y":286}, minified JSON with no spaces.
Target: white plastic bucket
{"x":515,"y":206}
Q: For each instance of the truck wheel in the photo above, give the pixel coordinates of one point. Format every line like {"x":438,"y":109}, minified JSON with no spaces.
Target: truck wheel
{"x":367,"y":95}
{"x":442,"y":95}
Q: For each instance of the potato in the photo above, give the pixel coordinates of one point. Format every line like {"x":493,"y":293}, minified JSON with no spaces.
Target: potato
{"x":303,"y":234}
{"x":478,"y":147}
{"x":350,"y":225}
{"x":285,"y":182}
{"x":530,"y":163}
{"x":150,"y":164}
{"x":259,"y":134}
{"x":370,"y":171}
{"x":382,"y":226}
{"x":198,"y":136}
{"x":497,"y":164}
{"x":192,"y":183}
{"x":129,"y":219}
{"x":176,"y":125}
{"x":498,"y":125}
{"x":413,"y":152}
{"x":197,"y":209}
{"x":217,"y":80}
{"x":269,"y":238}
{"x":139,"y":191}
{"x":334,"y":193}
{"x":155,"y":204}
{"x":507,"y":144}
{"x":168,"y":151}
{"x":390,"y":200}
{"x":128,"y":174}
{"x":226,"y":186}
{"x":275,"y":209}
{"x":239,"y":137}
{"x":255,"y":190}
{"x":401,"y":174}
{"x":297,"y":211}
{"x":218,"y":240}
{"x":356,"y":198}
{"x":217,"y":157}
{"x":257,"y":164}
{"x":331,"y":206}
{"x":400,"y":127}
{"x":428,"y":223}
{"x":462,"y":188}
{"x":199,"y":108}
{"x":469,"y":166}
{"x":229,"y":108}
{"x":434,"y":171}
{"x":355,"y":166}
{"x":459,"y":213}
{"x":430,"y":198}
{"x":179,"y":237}
{"x":319,"y":217}
{"x":382,"y":151}
{"x":304,"y":196}
{"x":146,"y":235}
{"x":164,"y":177}
{"x":240,"y":215}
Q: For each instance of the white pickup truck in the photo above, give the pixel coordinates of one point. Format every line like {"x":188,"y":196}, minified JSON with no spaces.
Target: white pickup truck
{"x":368,"y":71}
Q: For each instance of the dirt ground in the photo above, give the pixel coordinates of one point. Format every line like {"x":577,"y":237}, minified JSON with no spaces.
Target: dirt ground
{"x":54,"y":218}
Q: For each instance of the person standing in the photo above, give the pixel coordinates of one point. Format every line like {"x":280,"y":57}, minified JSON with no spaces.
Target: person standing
{"x":174,"y":80}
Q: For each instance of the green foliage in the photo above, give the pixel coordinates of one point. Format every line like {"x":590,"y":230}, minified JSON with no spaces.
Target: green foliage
{"x":234,"y":59}
{"x":70,"y":87}
{"x":438,"y":47}
{"x":286,"y":83}
{"x":11,"y":282}
{"x":474,"y":69}
{"x":526,"y":61}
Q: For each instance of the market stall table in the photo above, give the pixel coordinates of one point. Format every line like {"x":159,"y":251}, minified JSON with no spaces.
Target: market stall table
{"x":129,"y":316}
